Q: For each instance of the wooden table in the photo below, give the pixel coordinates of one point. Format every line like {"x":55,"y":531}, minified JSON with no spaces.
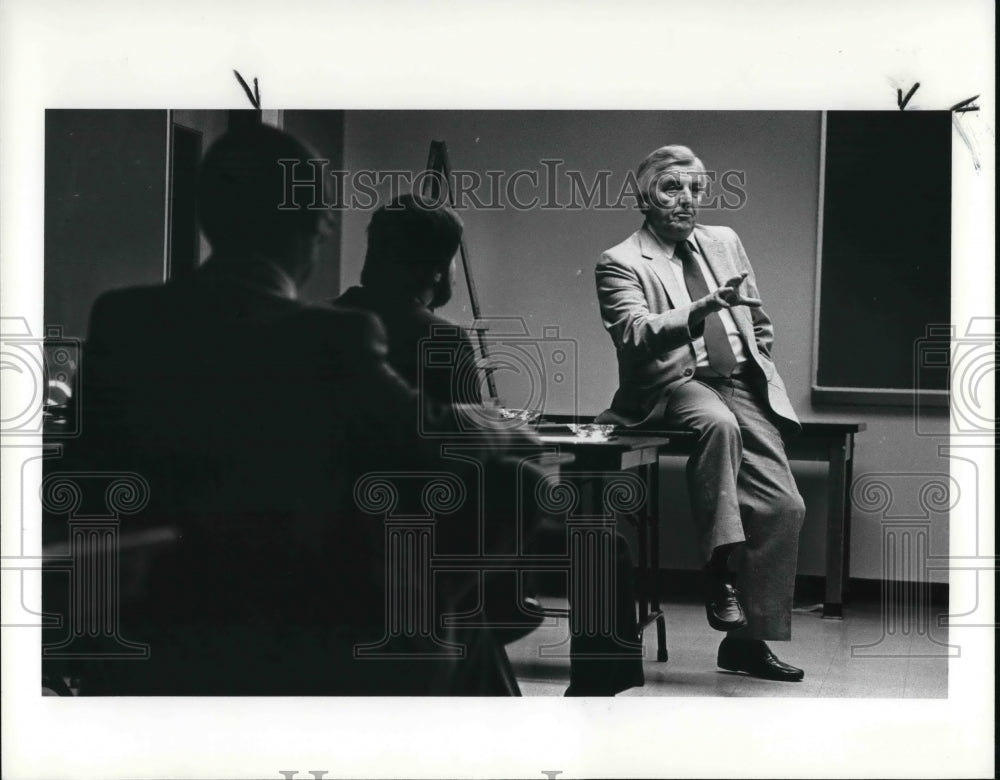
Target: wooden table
{"x":598,"y":460}
{"x":829,"y":442}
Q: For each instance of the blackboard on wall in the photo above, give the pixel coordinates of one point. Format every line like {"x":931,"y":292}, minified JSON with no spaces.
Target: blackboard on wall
{"x":883,"y":282}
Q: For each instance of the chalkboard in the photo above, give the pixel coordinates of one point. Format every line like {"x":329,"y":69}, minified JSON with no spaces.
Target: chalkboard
{"x":883,"y":283}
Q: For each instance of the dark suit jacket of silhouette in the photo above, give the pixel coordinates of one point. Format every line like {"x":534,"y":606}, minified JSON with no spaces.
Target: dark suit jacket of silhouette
{"x":252,"y":415}
{"x":435,"y":356}
{"x":430,"y":352}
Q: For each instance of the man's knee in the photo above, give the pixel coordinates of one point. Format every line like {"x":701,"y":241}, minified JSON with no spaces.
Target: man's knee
{"x":777,"y":513}
{"x":716,"y":421}
{"x":788,"y":509}
{"x":792,"y":504}
{"x":695,"y":405}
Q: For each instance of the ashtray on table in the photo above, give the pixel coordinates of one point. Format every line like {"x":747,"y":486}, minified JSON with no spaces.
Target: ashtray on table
{"x":528,"y":416}
{"x":592,"y":431}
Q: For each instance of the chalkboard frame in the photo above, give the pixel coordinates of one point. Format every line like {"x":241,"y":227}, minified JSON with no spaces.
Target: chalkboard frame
{"x":873,"y":396}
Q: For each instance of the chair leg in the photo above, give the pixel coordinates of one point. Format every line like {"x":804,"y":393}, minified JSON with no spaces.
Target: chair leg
{"x":661,"y":638}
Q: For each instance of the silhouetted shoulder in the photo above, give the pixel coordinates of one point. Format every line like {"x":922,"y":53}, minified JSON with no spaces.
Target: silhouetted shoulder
{"x":341,"y":329}
{"x":137,"y":315}
{"x":342,"y":319}
{"x":131,"y":301}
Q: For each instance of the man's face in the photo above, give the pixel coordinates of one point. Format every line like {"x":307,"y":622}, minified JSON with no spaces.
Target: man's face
{"x":672,"y":200}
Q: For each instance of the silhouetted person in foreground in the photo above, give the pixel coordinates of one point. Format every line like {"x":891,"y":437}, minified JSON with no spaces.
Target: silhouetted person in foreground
{"x":252,"y":416}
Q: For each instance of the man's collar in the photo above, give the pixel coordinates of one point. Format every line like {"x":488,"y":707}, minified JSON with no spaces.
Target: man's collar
{"x":667,"y":245}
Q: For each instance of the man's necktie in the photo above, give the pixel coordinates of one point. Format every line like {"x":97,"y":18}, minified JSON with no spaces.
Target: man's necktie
{"x":720,"y":352}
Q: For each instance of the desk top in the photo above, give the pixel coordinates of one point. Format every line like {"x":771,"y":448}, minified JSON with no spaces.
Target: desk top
{"x":627,"y":441}
{"x":613,"y":453}
{"x":831,"y":426}
{"x":810,"y":428}
{"x":818,"y":441}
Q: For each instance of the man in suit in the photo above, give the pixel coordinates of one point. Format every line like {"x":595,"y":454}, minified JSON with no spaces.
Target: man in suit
{"x":409,"y":272}
{"x":252,"y":416}
{"x":680,"y":302}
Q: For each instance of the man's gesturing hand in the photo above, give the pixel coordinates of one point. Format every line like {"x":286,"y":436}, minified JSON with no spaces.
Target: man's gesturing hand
{"x":727,"y":296}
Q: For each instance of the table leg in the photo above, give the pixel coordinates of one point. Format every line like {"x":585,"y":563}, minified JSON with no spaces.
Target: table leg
{"x":642,"y":532}
{"x":836,"y":557}
{"x":653,"y":594}
{"x":848,"y":484}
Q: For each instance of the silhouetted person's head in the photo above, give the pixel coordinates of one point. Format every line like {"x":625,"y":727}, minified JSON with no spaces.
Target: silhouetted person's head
{"x":246,"y":208}
{"x":411,"y":249}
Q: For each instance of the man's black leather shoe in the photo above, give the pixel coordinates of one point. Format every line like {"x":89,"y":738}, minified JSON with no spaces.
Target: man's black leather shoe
{"x":722,"y":603}
{"x":755,"y":658}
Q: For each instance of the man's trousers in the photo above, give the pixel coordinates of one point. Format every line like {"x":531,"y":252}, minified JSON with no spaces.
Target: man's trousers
{"x":742,"y":489}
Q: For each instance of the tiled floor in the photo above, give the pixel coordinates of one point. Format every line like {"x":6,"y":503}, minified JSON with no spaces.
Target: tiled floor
{"x":862,"y":656}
